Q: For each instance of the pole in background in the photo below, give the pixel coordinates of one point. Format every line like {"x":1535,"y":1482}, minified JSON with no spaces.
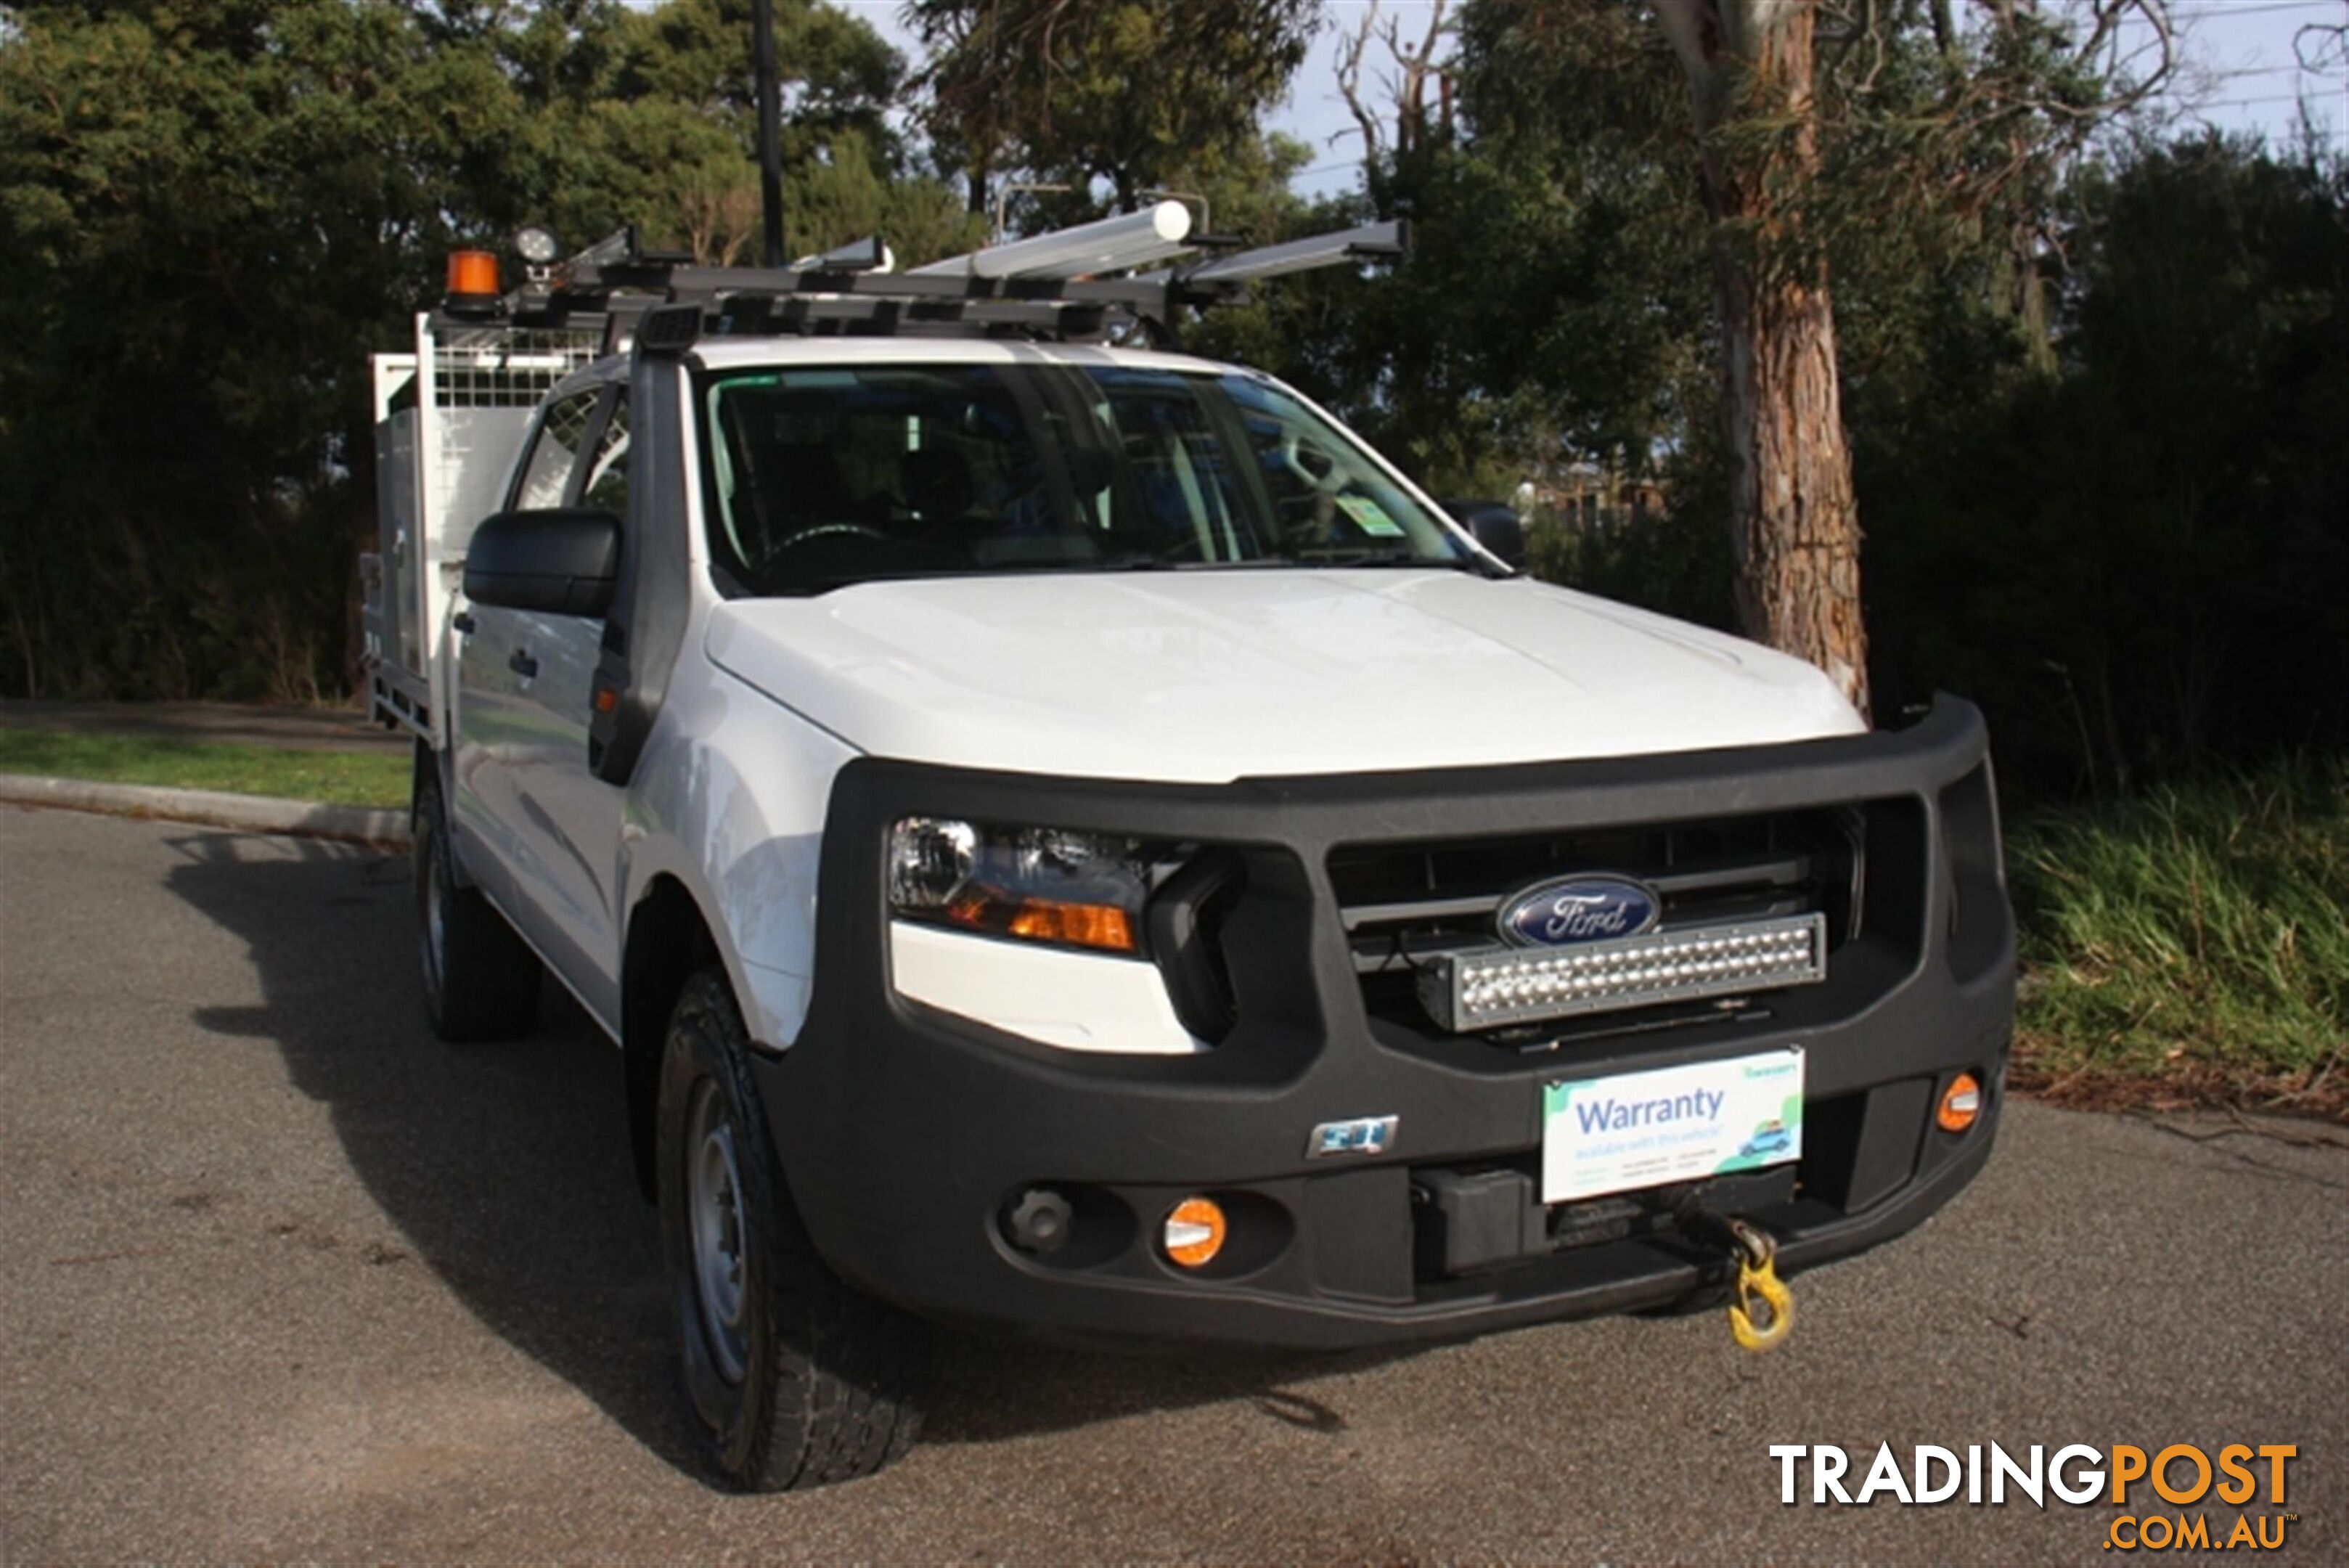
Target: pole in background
{"x":770,"y":149}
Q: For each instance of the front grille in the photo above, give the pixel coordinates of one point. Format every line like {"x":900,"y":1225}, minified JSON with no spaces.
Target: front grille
{"x":1404,"y":904}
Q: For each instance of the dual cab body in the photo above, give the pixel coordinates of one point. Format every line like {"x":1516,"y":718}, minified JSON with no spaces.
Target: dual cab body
{"x":1086,"y":783}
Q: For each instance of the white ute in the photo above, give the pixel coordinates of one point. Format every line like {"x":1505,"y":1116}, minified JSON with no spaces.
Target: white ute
{"x":1068,"y":838}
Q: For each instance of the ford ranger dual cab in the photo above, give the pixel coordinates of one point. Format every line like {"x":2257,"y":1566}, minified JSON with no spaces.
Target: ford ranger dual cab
{"x":1067,"y":839}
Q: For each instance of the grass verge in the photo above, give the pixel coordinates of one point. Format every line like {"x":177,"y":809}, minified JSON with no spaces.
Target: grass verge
{"x":2189,"y":945}
{"x":338,"y":778}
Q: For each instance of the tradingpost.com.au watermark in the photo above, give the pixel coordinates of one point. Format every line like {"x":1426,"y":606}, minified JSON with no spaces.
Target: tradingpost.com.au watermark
{"x":2230,"y":1500}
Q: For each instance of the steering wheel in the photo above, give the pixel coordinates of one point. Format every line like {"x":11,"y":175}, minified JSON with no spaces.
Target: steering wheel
{"x":1334,"y":477}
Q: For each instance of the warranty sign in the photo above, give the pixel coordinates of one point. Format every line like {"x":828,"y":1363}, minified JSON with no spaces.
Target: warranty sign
{"x":1672,"y":1123}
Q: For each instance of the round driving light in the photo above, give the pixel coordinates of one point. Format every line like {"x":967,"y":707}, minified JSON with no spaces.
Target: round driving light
{"x":1194,"y":1232}
{"x":1960,"y":1104}
{"x":535,"y":245}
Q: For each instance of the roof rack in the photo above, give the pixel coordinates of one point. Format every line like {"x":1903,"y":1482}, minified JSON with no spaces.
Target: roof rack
{"x":1048,"y":287}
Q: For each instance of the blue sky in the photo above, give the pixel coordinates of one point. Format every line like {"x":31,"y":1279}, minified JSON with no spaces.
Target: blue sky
{"x":2241,"y":73}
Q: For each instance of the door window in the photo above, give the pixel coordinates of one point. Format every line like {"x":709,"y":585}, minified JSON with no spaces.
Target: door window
{"x":556,"y":451}
{"x":606,"y":488}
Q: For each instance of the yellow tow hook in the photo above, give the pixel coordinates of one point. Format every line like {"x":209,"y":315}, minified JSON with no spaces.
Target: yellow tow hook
{"x":1757,"y":1275}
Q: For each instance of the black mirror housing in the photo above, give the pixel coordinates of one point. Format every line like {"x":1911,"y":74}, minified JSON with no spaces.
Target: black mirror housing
{"x":558,"y":560}
{"x":1494,"y":525}
{"x":1501,"y":533}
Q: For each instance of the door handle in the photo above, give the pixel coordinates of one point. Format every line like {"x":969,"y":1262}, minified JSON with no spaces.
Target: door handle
{"x":523,"y":664}
{"x":463,"y":621}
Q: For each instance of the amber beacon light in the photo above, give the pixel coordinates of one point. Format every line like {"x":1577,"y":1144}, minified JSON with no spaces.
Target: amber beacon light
{"x":472,"y":275}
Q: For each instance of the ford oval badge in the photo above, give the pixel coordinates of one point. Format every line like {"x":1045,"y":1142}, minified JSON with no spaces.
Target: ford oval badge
{"x":1578,"y":909}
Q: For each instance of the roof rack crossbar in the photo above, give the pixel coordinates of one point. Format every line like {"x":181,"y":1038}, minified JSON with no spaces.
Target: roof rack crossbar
{"x":1030,"y":287}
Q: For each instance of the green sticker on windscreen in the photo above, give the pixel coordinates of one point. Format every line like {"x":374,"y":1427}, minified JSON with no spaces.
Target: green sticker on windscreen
{"x":1369,"y":516}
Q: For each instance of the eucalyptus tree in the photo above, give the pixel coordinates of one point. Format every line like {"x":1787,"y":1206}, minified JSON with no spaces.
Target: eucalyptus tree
{"x":211,"y":211}
{"x":1803,"y":115}
{"x":1128,"y":95}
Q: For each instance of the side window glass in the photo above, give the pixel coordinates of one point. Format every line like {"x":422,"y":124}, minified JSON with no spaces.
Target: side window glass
{"x":606,"y":489}
{"x":556,"y":451}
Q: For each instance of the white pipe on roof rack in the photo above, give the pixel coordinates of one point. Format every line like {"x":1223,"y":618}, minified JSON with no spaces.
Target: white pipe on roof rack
{"x":1302,"y":255}
{"x":1111,"y":244}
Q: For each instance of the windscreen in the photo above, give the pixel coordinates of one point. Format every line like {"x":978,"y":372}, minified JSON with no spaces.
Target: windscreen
{"x":820,"y":478}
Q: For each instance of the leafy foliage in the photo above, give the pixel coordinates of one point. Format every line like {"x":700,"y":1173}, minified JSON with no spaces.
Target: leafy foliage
{"x":211,"y":211}
{"x":1133,"y":95}
{"x":2140,"y":562}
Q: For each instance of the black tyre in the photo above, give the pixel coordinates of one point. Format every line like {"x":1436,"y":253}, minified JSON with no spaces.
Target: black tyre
{"x":795,"y":1379}
{"x":481,"y":980}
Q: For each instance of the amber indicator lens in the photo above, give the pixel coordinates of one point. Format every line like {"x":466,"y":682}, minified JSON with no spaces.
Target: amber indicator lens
{"x":1960,"y":1104}
{"x":1195,"y":1233}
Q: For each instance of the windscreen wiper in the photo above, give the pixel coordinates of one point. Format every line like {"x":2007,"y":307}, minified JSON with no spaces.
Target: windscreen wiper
{"x":1359,"y":560}
{"x":1141,"y":561}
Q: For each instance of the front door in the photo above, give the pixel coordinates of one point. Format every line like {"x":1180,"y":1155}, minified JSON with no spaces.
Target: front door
{"x":569,"y":819}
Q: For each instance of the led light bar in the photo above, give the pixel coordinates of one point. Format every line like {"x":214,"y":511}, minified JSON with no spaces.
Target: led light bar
{"x":1514,"y":985}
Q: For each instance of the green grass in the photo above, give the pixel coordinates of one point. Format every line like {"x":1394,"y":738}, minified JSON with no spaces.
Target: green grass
{"x":339,"y":778}
{"x":2196,"y":934}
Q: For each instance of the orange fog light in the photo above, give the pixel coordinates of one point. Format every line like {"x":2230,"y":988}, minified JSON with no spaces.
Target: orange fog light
{"x":472,"y":274}
{"x":1960,"y":1104}
{"x":1194,"y":1232}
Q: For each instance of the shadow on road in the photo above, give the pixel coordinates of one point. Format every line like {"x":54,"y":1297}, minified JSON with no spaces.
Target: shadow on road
{"x":506,"y":1167}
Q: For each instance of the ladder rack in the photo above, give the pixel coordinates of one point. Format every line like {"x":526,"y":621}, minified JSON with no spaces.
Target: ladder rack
{"x":610,"y":288}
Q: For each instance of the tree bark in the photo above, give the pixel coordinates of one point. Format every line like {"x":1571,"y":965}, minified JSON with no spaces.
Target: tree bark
{"x":1794,"y":519}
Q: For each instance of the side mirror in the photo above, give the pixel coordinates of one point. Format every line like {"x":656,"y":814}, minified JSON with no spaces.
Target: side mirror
{"x":1495,"y":527}
{"x":559,"y":561}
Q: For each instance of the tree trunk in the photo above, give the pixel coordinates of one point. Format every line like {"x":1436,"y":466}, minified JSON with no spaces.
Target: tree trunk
{"x":1797,"y":525}
{"x":1796,"y":522}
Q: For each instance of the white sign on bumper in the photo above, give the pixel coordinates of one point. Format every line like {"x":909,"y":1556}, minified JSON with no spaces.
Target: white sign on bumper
{"x":1672,"y":1123}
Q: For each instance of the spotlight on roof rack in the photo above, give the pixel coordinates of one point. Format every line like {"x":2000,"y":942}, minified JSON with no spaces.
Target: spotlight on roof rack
{"x":1111,"y":244}
{"x":537,"y":245}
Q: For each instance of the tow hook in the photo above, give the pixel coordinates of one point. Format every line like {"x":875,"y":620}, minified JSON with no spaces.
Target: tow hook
{"x":1754,"y":1252}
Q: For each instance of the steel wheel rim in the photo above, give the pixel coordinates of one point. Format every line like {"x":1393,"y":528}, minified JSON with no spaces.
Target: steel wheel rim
{"x":714,"y":1218}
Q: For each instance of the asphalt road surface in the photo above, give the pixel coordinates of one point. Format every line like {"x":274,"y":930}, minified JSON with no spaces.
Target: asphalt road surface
{"x":282,"y":1277}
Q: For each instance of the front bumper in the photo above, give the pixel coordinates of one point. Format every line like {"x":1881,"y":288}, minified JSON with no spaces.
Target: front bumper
{"x":904,"y":1131}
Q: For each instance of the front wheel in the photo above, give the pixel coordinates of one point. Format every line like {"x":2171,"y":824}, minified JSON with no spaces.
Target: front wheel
{"x":795,"y":1378}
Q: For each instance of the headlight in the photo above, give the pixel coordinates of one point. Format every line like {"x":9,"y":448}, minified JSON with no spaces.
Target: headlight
{"x":1079,"y":890}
